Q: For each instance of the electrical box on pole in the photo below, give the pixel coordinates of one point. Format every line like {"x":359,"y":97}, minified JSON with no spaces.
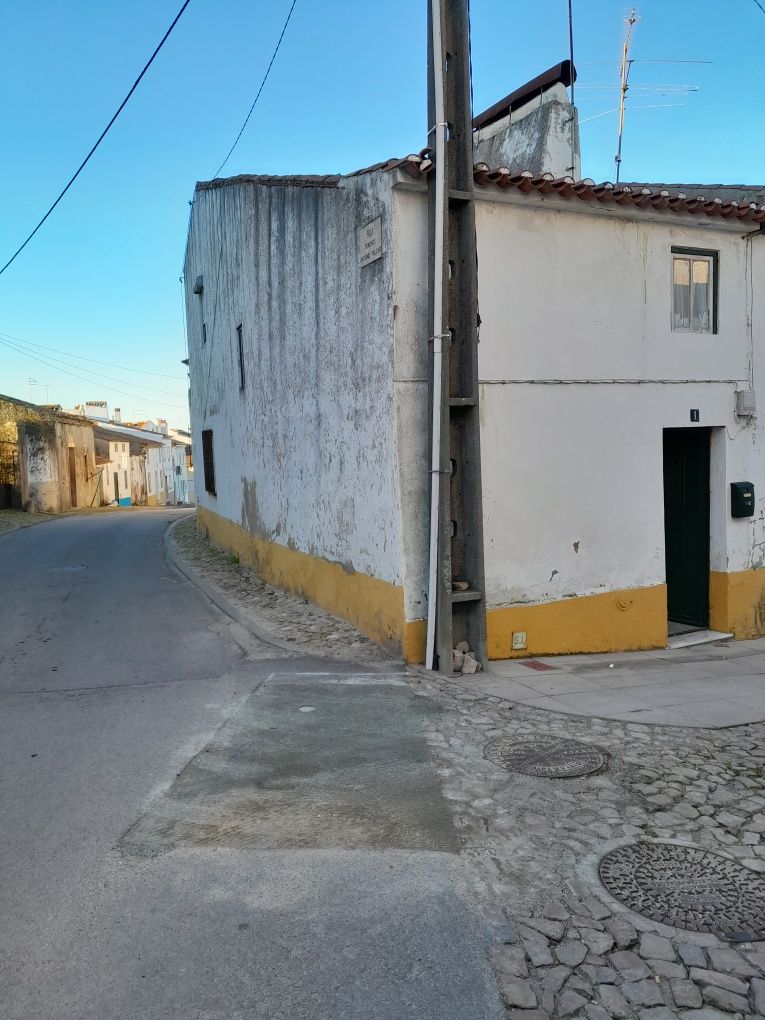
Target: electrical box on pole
{"x":456,"y":598}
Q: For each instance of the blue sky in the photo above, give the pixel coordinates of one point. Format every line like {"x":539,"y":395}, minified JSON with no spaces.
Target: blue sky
{"x":101,"y":279}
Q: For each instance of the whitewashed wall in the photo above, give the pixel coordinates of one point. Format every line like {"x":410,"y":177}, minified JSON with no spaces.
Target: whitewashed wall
{"x":305,"y":453}
{"x":119,"y":461}
{"x":180,"y":482}
{"x":573,"y":483}
{"x":573,"y":472}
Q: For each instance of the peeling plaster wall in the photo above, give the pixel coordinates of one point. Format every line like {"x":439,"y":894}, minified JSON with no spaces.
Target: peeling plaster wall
{"x":138,"y":479}
{"x":541,"y":137}
{"x":305,"y":451}
{"x":44,"y":439}
{"x":411,"y":389}
{"x":80,"y":439}
{"x":40,"y":472}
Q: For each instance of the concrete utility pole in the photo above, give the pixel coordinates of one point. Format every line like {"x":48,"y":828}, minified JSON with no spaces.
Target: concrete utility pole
{"x":456,"y":599}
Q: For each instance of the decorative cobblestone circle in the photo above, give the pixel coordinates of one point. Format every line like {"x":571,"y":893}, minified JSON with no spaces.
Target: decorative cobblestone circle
{"x":687,"y":888}
{"x":548,"y":757}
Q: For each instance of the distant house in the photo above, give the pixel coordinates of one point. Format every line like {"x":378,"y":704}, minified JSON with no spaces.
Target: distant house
{"x":160,"y":463}
{"x":184,"y":465}
{"x":621,"y":385}
{"x":114,"y":449}
{"x":47,"y":458}
{"x":141,"y":463}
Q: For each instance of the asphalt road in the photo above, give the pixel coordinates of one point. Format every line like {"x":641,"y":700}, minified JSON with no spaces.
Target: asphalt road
{"x":195,"y":825}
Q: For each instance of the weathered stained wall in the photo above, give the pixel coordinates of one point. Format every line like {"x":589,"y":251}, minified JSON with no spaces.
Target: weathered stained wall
{"x":541,"y":137}
{"x":138,"y":479}
{"x":572,"y":470}
{"x":305,"y":450}
{"x":44,"y":440}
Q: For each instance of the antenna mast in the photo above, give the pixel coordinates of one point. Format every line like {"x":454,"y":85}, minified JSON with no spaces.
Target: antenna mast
{"x":630,"y":22}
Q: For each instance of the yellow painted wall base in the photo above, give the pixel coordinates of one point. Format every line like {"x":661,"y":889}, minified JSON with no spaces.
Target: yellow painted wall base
{"x":737,"y":603}
{"x":617,"y":621}
{"x":375,"y":607}
{"x":613,"y":622}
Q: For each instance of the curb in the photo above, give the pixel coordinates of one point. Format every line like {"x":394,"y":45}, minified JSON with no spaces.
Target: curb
{"x":220,"y":600}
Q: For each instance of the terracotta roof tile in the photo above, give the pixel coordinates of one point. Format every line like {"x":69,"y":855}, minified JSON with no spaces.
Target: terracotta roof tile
{"x":745,"y":203}
{"x":710,"y":201}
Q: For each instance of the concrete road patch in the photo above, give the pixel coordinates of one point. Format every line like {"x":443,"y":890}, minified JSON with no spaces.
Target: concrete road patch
{"x":310,"y":761}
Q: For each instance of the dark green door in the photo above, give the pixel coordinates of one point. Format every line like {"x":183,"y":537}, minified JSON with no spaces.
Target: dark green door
{"x":686,"y":524}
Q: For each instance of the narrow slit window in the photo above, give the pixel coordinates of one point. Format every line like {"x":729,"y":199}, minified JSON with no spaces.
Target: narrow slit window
{"x":694,"y":292}
{"x":208,"y":460}
{"x":240,"y":348}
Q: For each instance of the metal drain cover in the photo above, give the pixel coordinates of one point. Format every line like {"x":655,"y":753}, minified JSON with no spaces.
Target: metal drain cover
{"x":687,"y":888}
{"x":549,"y":757}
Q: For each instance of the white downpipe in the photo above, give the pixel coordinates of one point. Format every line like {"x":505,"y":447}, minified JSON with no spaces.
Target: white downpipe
{"x":438,"y":327}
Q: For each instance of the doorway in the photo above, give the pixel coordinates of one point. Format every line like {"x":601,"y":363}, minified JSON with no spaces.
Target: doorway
{"x":72,"y":477}
{"x":686,"y":527}
{"x":116,"y":487}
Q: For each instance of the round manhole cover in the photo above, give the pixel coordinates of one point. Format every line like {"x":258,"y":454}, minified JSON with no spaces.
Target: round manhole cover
{"x":549,"y":757}
{"x":687,"y":888}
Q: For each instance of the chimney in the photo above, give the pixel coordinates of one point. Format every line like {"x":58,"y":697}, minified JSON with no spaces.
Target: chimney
{"x":117,"y":415}
{"x":535,"y":128}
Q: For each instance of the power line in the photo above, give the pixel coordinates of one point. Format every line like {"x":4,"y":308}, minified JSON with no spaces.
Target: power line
{"x":82,"y":378}
{"x":90,"y":371}
{"x":760,"y":6}
{"x":571,"y":46}
{"x":94,"y":361}
{"x":262,"y":84}
{"x":101,"y":137}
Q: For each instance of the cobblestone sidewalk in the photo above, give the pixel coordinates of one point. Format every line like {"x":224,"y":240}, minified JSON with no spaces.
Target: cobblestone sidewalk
{"x":306,"y":627}
{"x":576,"y":951}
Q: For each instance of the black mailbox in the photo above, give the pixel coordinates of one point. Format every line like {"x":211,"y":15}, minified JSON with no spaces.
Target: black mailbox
{"x":741,"y":499}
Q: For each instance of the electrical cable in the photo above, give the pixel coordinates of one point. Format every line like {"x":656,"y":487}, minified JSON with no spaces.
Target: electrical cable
{"x":101,"y":137}
{"x":90,"y":371}
{"x":571,"y":46}
{"x":94,"y":361}
{"x":262,"y":84}
{"x":760,"y":6}
{"x":111,"y":389}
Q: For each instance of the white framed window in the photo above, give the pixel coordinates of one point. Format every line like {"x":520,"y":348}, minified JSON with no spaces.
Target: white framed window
{"x":694,"y":291}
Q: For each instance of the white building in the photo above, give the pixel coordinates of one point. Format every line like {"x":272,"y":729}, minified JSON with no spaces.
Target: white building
{"x":122,"y":454}
{"x":620,"y":387}
{"x":113,"y":463}
{"x":139,"y":463}
{"x":184,"y":465}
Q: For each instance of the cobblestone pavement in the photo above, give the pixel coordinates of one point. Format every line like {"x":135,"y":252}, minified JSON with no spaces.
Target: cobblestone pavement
{"x":310,"y":629}
{"x":10,"y":520}
{"x":575,"y":951}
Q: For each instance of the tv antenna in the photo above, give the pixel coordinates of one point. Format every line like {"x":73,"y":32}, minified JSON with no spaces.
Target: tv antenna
{"x":34,"y":382}
{"x":630,"y":22}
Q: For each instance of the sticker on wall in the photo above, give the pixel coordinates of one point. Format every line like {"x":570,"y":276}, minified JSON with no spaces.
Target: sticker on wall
{"x":370,"y":242}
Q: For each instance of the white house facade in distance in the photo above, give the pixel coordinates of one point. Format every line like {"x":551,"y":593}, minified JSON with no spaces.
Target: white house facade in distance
{"x":113,"y":461}
{"x":184,"y":465}
{"x":139,"y":463}
{"x":621,"y":389}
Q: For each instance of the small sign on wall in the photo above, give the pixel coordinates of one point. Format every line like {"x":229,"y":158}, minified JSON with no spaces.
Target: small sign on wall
{"x":370,"y":242}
